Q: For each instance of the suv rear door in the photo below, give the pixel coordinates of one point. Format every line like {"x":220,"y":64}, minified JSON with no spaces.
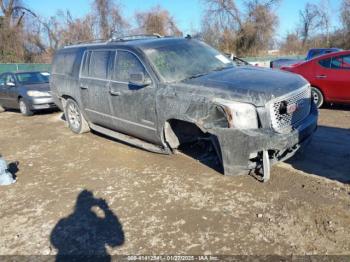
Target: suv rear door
{"x":94,"y":84}
{"x":133,"y":105}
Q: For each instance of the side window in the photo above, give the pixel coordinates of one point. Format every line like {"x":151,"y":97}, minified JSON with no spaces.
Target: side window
{"x":341,"y":62}
{"x":64,"y":63}
{"x":86,"y":64}
{"x":125,"y":64}
{"x":10,"y":79}
{"x":2,"y":79}
{"x":98,"y":66}
{"x":326,"y":62}
{"x":346,"y":62}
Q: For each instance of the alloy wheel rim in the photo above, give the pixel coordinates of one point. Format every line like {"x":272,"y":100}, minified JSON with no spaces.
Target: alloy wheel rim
{"x":316,"y":98}
{"x":74,"y":117}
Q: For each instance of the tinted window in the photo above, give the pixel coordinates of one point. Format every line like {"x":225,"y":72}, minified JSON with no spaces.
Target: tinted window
{"x":2,"y":79}
{"x":315,"y":53}
{"x":99,"y":64}
{"x":125,"y":64}
{"x":341,"y":62}
{"x":326,"y":62}
{"x":64,"y":63}
{"x":10,"y":79}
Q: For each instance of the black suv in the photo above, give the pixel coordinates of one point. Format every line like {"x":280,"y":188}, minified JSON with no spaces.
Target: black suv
{"x":159,"y":93}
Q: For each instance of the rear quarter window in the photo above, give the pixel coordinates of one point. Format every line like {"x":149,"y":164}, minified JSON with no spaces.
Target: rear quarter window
{"x":341,"y":62}
{"x":64,"y":63}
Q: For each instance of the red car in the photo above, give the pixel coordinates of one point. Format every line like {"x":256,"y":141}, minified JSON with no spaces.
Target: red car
{"x":329,"y":76}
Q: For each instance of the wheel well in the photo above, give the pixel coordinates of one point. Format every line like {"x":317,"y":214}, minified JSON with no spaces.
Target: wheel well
{"x":64,"y":99}
{"x":194,"y":142}
{"x":177,"y":132}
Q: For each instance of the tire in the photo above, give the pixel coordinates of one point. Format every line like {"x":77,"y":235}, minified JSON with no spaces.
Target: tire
{"x":24,"y":108}
{"x":75,"y":119}
{"x":2,"y":109}
{"x":317,"y":97}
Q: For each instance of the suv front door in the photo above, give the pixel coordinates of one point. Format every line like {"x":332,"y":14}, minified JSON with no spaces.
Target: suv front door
{"x":133,"y":104}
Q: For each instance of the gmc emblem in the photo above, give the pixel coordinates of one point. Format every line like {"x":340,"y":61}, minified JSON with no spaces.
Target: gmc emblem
{"x":288,"y":109}
{"x":292,"y":108}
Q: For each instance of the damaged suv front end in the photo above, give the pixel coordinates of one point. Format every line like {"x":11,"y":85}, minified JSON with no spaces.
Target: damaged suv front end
{"x":271,"y":133}
{"x":254,"y":117}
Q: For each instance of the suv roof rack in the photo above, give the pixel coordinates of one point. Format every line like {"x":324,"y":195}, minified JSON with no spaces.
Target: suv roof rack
{"x":95,"y":41}
{"x":133,"y":37}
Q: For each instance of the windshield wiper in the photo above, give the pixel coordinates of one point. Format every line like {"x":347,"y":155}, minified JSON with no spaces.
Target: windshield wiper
{"x":196,"y":76}
{"x":202,"y":74}
{"x":221,"y":68}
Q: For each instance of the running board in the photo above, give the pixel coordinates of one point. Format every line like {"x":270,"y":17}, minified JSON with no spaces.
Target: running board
{"x":130,"y":140}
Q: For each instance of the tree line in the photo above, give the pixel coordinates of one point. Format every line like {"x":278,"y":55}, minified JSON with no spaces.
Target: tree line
{"x":246,"y":30}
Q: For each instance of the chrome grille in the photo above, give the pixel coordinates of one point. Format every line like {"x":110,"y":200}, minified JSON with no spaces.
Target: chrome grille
{"x":287,"y":111}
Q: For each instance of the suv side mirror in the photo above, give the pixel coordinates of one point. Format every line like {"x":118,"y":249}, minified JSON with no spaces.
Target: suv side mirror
{"x":10,"y":84}
{"x":139,"y":79}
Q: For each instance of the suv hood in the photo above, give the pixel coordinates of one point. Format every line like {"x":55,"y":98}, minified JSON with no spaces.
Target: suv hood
{"x":245,"y":84}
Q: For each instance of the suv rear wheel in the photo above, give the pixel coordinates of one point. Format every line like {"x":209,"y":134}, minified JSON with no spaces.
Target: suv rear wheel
{"x":76,"y":121}
{"x":317,"y":97}
{"x":24,"y":108}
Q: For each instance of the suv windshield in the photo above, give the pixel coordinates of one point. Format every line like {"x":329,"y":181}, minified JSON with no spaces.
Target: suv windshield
{"x":185,"y":60}
{"x":32,"y":78}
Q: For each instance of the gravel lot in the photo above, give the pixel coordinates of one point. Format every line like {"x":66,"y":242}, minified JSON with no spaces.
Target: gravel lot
{"x":90,"y":194}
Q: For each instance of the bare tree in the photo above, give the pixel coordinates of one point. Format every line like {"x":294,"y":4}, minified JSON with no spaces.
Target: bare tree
{"x":246,"y":32}
{"x":157,"y":21}
{"x":292,"y":44}
{"x":109,"y":18}
{"x":345,"y":15}
{"x":12,"y":48}
{"x":312,"y":19}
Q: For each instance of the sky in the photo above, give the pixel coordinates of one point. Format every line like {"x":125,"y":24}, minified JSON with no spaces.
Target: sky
{"x":187,"y":13}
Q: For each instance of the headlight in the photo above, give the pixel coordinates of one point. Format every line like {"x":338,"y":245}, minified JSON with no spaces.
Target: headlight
{"x":239,"y":115}
{"x":35,"y":93}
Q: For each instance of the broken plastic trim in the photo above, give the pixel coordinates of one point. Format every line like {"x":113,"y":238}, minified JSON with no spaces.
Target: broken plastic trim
{"x":266,"y":168}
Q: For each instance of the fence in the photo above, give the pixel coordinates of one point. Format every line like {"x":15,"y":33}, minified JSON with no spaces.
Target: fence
{"x":24,"y":67}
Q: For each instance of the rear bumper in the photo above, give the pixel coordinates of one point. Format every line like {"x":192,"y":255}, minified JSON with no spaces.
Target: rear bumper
{"x":241,"y":149}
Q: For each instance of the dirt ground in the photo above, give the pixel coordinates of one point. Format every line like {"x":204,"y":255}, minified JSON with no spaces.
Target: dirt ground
{"x":90,"y":194}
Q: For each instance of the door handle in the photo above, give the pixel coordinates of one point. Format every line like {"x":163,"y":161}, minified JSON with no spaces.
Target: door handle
{"x":321,"y":76}
{"x":114,"y":93}
{"x":83,"y":87}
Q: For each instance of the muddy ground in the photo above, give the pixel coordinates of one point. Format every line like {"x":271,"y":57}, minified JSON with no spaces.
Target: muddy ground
{"x":86,"y":193}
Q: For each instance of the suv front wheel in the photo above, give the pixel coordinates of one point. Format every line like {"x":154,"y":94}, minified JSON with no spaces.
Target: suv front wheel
{"x":76,"y":121}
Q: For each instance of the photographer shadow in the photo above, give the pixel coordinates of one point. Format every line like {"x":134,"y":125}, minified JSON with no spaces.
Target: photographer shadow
{"x":83,"y":235}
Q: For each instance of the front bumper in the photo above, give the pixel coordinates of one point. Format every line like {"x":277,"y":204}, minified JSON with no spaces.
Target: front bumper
{"x":38,"y":103}
{"x":241,"y":149}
